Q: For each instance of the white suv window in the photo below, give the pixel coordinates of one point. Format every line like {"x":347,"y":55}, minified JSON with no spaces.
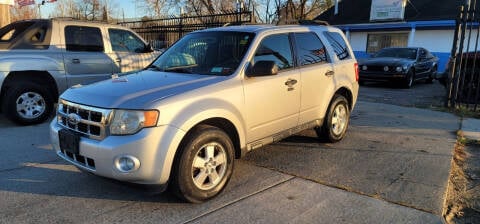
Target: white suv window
{"x":275,"y":48}
{"x":339,"y":45}
{"x":310,"y":49}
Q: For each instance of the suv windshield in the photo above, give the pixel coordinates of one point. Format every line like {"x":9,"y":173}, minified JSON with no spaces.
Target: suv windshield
{"x":206,"y":53}
{"x":409,"y":53}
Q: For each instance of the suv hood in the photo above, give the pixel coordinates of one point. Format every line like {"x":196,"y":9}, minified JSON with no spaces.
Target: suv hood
{"x":137,"y":90}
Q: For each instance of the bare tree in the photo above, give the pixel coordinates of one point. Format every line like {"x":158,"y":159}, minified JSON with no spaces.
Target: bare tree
{"x":287,"y":11}
{"x":66,"y":8}
{"x":23,"y":12}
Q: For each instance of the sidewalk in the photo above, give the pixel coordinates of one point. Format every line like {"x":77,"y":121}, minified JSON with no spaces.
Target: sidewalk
{"x":471,"y":128}
{"x":393,"y":167}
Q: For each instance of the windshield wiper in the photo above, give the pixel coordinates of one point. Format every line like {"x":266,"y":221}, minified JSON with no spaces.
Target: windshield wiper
{"x":180,"y":69}
{"x":154,"y":67}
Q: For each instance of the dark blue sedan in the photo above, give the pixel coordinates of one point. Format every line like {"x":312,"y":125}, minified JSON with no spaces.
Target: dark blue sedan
{"x":400,"y":65}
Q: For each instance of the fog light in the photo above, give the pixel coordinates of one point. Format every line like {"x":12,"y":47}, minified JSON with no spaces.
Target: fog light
{"x":127,"y":164}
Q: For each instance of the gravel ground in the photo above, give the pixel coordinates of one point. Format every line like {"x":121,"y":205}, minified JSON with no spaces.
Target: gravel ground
{"x":462,"y":204}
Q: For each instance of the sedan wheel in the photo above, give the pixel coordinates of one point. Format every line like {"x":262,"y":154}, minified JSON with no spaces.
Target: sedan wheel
{"x":408,"y":82}
{"x":433,"y":75}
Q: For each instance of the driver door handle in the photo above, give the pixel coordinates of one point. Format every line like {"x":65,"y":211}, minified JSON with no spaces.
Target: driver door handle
{"x":329,"y":73}
{"x":291,"y":82}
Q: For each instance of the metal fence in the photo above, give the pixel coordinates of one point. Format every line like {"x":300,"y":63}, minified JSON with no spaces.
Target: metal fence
{"x":464,"y":65}
{"x":161,"y":33}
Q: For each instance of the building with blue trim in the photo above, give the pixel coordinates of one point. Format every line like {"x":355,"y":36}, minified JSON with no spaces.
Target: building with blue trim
{"x":371,"y":25}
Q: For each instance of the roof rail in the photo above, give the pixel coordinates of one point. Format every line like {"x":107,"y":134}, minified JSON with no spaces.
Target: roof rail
{"x":313,"y":22}
{"x":240,"y":23}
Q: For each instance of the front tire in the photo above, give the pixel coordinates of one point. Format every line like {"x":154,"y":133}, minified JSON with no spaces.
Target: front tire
{"x":408,"y":82}
{"x":204,"y":166}
{"x":335,"y":126}
{"x":27,"y":104}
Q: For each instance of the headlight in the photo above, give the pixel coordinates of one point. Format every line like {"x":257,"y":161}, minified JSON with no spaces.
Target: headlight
{"x":405,"y":68}
{"x":398,"y":69}
{"x":126,"y":122}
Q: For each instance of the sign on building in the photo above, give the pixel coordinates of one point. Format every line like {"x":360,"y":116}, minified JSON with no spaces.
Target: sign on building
{"x":387,"y":10}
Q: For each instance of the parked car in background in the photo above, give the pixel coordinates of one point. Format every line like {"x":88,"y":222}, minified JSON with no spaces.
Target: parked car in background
{"x":39,"y":59}
{"x":400,"y":65}
{"x":213,"y":96}
{"x":468,"y":72}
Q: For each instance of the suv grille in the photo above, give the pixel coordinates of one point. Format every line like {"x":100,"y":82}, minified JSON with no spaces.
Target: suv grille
{"x":80,"y":160}
{"x":88,"y":121}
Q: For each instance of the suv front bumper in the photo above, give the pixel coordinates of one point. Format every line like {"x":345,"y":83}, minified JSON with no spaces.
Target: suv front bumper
{"x":153,"y":149}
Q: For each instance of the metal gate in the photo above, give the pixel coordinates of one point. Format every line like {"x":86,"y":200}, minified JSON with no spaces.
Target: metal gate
{"x":463,"y":68}
{"x":162,"y":33}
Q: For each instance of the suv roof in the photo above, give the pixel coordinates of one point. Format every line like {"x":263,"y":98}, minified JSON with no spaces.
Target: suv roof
{"x":262,"y":28}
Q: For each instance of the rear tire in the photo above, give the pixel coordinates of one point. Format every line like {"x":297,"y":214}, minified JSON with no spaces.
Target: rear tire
{"x":204,"y":166}
{"x":27,"y":104}
{"x":433,"y":75}
{"x":335,"y":126}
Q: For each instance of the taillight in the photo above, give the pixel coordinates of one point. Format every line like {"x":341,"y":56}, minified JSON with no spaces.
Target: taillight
{"x":356,"y":71}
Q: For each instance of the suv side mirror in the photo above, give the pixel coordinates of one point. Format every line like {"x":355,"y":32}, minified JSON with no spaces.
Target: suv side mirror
{"x":148,"y":48}
{"x":263,"y":68}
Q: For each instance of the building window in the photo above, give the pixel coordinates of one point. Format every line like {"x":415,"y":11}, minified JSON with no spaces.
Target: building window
{"x":376,"y":42}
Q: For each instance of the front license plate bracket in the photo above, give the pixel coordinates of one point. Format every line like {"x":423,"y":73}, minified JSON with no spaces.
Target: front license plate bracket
{"x":69,"y":141}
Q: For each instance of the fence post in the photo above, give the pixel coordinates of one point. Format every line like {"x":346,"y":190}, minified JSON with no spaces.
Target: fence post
{"x":459,"y":60}
{"x":452,"y":61}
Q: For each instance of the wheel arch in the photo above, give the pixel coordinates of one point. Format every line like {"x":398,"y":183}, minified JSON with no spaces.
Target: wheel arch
{"x":37,"y":77}
{"x":345,"y":92}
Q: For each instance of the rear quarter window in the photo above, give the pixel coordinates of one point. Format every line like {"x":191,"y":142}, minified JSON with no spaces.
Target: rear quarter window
{"x":338,"y":44}
{"x":25,"y":35}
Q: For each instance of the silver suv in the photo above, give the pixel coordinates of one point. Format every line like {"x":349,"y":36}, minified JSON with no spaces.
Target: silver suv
{"x":39,"y":59}
{"x":210,"y":98}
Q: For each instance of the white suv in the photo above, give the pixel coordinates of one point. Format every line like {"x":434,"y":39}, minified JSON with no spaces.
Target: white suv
{"x":213,"y":96}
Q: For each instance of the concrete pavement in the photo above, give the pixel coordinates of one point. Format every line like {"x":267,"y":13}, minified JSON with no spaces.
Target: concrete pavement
{"x":392,"y":167}
{"x":471,"y":128}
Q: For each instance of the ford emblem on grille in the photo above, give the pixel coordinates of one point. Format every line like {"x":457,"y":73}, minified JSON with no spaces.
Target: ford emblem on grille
{"x":385,"y":68}
{"x":73,"y":119}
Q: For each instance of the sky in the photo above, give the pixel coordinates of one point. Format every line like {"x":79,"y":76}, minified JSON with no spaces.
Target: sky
{"x":128,"y":7}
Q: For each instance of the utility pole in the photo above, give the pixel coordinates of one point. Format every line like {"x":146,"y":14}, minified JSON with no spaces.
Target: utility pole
{"x":4,"y":14}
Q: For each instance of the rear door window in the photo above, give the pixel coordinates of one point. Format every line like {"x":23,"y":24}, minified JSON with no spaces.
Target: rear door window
{"x":338,"y":44}
{"x":82,"y":38}
{"x":310,"y":49}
